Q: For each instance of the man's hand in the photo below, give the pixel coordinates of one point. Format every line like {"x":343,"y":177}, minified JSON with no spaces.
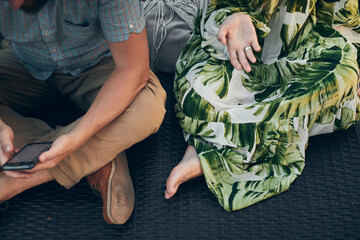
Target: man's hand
{"x":6,"y":139}
{"x":238,"y":33}
{"x":7,"y":150}
{"x":62,"y":147}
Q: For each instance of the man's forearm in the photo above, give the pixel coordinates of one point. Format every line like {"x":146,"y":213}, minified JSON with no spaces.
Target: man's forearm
{"x":130,"y":75}
{"x":115,"y":95}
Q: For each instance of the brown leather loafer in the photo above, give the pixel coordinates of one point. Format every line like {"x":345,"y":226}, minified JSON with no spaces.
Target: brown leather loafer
{"x":115,"y":186}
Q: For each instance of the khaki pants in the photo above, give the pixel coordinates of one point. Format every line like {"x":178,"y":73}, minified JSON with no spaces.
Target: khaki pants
{"x":21,"y":93}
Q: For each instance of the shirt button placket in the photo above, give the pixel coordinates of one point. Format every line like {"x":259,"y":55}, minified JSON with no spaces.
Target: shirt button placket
{"x":47,"y":33}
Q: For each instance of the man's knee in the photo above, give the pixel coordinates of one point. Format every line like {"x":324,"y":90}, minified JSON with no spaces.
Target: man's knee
{"x":147,"y":110}
{"x":159,"y":99}
{"x":140,"y":119}
{"x":156,"y":112}
{"x":155,"y":102}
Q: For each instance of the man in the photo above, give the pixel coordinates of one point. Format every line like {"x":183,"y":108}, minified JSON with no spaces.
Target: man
{"x":95,"y":53}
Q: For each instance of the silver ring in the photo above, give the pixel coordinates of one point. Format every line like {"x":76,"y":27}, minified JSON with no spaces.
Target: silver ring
{"x":247,"y":48}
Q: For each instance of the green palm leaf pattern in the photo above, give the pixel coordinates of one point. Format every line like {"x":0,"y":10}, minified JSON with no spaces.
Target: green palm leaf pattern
{"x":217,"y":75}
{"x":250,"y":130}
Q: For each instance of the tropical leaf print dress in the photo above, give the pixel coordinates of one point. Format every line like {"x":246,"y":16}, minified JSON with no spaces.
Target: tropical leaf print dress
{"x":250,"y":130}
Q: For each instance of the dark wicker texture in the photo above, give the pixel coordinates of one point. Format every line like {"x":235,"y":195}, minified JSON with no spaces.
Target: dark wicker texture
{"x":323,"y":203}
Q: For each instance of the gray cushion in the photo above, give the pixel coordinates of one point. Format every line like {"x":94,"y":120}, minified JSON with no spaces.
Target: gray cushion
{"x":177,"y":34}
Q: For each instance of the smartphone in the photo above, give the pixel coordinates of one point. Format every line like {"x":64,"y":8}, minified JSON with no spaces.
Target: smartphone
{"x":27,"y":157}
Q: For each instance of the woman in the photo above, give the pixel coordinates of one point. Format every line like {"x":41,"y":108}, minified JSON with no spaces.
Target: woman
{"x":256,"y":79}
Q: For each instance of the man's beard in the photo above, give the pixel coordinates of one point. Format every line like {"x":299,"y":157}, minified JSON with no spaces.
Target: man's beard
{"x":33,"y":6}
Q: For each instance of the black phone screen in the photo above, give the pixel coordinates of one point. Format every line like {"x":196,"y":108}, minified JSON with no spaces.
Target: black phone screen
{"x":27,"y":157}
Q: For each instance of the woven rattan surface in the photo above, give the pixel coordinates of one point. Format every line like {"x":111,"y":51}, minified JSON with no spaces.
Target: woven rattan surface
{"x":323,"y":203}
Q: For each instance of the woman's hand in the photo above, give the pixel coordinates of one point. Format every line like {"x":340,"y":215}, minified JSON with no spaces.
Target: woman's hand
{"x":238,"y":33}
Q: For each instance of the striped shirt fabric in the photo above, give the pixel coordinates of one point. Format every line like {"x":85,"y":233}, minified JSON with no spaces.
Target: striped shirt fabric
{"x":68,"y":35}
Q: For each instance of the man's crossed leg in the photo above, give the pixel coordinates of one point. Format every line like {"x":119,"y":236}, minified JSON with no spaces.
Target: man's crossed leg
{"x":102,"y":156}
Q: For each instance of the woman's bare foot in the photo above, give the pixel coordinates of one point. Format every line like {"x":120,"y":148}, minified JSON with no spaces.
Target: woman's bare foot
{"x":188,"y":168}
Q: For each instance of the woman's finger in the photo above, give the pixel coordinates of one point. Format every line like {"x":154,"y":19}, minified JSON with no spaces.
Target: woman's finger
{"x":255,"y":45}
{"x":249,"y":54}
{"x":222,"y":35}
{"x":234,"y":60}
{"x":243,"y":61}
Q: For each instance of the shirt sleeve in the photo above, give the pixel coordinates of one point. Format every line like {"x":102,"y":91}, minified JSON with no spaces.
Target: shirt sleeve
{"x":119,"y":18}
